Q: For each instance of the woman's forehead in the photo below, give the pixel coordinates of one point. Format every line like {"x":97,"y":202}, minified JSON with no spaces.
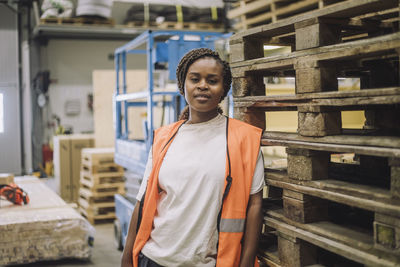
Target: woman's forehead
{"x":206,"y":63}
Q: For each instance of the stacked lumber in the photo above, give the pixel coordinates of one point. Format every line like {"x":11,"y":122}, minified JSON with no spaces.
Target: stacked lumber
{"x":101,"y":179}
{"x":45,"y":229}
{"x":251,"y":13}
{"x":321,"y":210}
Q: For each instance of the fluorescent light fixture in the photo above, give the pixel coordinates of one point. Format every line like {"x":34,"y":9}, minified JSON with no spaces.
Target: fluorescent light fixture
{"x":272,"y":47}
{"x":1,"y":114}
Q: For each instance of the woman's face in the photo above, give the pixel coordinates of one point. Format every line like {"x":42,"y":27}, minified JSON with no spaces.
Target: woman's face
{"x":204,"y":86}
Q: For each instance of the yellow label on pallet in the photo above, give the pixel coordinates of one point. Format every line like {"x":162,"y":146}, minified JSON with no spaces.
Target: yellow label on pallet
{"x":179,"y":13}
{"x":214,"y":13}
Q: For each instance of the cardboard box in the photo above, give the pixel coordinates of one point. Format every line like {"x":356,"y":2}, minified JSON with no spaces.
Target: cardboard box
{"x":67,"y":163}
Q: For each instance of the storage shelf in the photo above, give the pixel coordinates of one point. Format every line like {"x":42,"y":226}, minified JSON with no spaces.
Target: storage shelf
{"x":104,"y":32}
{"x":117,"y":32}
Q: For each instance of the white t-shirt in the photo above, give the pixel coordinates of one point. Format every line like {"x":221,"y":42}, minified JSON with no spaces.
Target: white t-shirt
{"x":192,"y":180}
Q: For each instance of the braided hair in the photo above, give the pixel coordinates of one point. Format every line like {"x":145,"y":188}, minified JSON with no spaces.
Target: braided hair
{"x":188,"y":59}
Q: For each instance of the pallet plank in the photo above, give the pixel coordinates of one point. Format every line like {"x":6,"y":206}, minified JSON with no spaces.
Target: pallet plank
{"x":348,"y":251}
{"x":346,"y":193}
{"x":344,"y":9}
{"x":339,"y":99}
{"x":309,"y":57}
{"x":384,"y":146}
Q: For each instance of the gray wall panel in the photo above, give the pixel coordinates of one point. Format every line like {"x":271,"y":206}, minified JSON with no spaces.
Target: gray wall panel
{"x":8,"y":46}
{"x":10,"y":139}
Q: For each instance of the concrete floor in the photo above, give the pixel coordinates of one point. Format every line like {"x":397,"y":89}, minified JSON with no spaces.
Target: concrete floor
{"x":104,"y":252}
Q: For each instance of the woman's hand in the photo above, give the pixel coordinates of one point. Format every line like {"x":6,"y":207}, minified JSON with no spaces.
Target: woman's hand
{"x":252,"y":231}
{"x":126,"y":260}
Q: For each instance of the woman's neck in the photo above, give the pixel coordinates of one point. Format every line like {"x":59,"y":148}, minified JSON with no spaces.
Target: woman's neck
{"x":197,"y":117}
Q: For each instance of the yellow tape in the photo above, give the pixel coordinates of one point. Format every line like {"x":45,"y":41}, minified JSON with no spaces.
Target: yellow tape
{"x":179,"y":14}
{"x":214,"y":13}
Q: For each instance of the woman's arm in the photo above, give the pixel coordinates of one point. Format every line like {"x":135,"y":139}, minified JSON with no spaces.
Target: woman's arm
{"x":126,"y":260}
{"x":252,"y":230}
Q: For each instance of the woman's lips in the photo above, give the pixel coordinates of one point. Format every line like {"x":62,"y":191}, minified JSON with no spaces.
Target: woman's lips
{"x":202,"y":97}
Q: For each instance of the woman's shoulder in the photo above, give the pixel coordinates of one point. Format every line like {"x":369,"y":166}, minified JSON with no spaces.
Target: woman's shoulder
{"x":169,"y":127}
{"x":238,"y":124}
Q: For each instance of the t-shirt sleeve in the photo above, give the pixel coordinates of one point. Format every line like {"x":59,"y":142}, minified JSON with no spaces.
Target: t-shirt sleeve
{"x":258,"y":177}
{"x":147,"y":171}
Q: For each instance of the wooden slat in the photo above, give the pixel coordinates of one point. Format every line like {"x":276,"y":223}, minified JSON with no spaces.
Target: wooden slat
{"x":98,"y":156}
{"x":353,"y":253}
{"x":329,"y":230}
{"x":265,"y":259}
{"x":88,"y":192}
{"x":344,"y":9}
{"x":350,"y":50}
{"x":337,"y":239}
{"x":361,"y":196}
{"x":298,"y":5}
{"x":248,"y":8}
{"x":387,"y":96}
{"x":384,"y":146}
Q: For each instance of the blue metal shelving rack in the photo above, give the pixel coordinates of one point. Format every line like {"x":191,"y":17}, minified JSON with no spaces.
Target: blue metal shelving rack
{"x":132,"y":154}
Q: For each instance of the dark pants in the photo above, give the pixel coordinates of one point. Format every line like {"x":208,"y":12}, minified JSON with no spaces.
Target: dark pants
{"x":146,"y":262}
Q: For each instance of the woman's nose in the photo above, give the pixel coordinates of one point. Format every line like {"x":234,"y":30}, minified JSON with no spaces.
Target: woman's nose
{"x":203,"y":85}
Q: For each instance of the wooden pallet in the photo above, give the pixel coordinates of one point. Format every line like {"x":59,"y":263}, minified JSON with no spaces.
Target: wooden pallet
{"x":174,"y":25}
{"x":319,"y":56}
{"x":97,"y":205}
{"x":102,"y":168}
{"x":104,"y":190}
{"x":87,"y":201}
{"x":101,"y":179}
{"x":258,"y":12}
{"x":97,"y":218}
{"x":357,"y":38}
{"x":298,"y":244}
{"x":78,"y":21}
{"x":97,"y":156}
{"x":190,"y":26}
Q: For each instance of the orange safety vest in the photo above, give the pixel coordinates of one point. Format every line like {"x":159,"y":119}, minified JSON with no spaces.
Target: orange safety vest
{"x":243,"y":141}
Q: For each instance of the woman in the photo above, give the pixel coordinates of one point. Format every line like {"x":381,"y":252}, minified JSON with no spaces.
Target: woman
{"x":200,"y":199}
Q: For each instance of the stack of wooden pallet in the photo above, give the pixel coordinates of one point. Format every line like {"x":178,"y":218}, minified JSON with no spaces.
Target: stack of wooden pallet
{"x":100,"y":180}
{"x":319,"y":210}
{"x":251,"y":13}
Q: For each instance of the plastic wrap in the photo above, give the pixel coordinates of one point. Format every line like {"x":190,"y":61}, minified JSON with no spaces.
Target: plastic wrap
{"x":45,"y":229}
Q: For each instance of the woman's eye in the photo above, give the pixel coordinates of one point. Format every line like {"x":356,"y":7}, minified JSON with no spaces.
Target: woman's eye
{"x":213,"y":81}
{"x":195,"y":80}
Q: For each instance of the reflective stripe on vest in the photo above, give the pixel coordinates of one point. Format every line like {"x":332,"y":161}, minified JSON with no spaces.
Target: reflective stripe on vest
{"x":243,"y":142}
{"x":232,"y":225}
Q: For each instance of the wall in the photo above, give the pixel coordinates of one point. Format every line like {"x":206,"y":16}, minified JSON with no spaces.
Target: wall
{"x":71,"y":64}
{"x":10,"y":137}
